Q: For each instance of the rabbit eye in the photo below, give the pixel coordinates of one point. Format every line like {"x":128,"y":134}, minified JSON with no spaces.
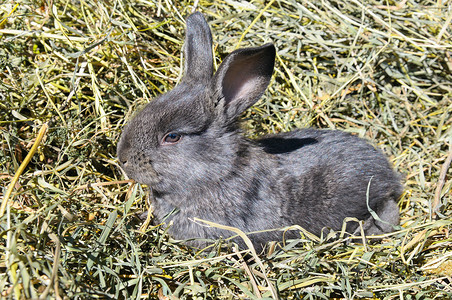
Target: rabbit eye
{"x":171,"y":138}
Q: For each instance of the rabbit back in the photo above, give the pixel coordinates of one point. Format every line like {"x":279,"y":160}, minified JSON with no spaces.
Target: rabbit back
{"x":331,"y":175}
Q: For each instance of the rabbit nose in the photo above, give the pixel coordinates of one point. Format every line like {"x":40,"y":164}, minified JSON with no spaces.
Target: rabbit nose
{"x":122,"y":159}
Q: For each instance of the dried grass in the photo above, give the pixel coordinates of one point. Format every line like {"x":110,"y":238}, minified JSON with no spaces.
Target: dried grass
{"x":380,"y":69}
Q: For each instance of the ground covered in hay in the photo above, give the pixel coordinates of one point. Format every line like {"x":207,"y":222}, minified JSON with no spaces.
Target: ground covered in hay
{"x":73,"y":72}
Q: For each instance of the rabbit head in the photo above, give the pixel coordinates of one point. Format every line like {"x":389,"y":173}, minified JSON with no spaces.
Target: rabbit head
{"x":188,"y":135}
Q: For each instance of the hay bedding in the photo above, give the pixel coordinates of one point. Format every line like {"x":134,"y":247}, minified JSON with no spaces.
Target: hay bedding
{"x":379,"y":69}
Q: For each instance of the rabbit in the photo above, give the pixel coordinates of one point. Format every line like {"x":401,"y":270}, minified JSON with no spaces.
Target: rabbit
{"x":187,"y":146}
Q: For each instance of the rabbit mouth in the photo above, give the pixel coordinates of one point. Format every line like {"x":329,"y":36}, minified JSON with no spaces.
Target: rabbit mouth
{"x":142,"y":174}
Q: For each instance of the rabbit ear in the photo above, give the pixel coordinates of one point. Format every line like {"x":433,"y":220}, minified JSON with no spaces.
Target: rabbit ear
{"x":242,"y":78}
{"x":198,"y":49}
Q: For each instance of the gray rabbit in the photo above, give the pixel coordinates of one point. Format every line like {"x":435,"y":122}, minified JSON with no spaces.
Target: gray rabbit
{"x":187,"y":147}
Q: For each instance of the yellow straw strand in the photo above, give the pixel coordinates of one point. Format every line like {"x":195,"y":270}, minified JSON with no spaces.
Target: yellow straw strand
{"x":254,"y":22}
{"x":22,"y":167}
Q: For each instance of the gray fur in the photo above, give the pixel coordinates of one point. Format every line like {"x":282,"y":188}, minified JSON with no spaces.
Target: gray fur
{"x":309,"y":177}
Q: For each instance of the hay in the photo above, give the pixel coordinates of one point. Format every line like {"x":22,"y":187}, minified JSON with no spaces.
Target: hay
{"x":382,"y":70}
